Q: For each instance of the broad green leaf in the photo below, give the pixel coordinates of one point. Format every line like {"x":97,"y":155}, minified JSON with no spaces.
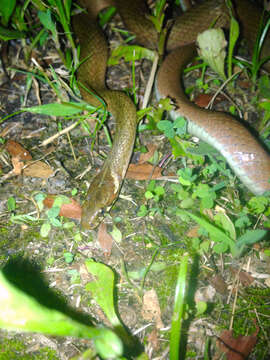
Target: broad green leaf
{"x":21,"y":312}
{"x":215,"y":233}
{"x":23,"y":219}
{"x":130,"y":53}
{"x":102,"y":289}
{"x":53,"y":212}
{"x":69,"y":257}
{"x":220,"y":248}
{"x":159,"y":190}
{"x":148,"y":195}
{"x":45,"y":18}
{"x":45,"y":229}
{"x":56,"y":109}
{"x":201,"y":307}
{"x":60,"y":200}
{"x":116,"y":234}
{"x":11,"y":204}
{"x":6,"y":10}
{"x":212,"y":45}
{"x":251,"y":237}
{"x":226,"y":223}
{"x":55,"y":222}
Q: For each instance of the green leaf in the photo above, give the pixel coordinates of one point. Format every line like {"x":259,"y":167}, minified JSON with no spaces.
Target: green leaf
{"x":130,"y":53}
{"x":53,"y":212}
{"x":180,"y":124}
{"x":45,"y":18}
{"x":215,"y":233}
{"x":148,"y":195}
{"x":60,"y":200}
{"x":265,"y":105}
{"x":220,"y":248}
{"x":69,"y":257}
{"x":23,"y":219}
{"x":56,"y":109}
{"x":203,"y":149}
{"x":234,"y":34}
{"x":167,"y":127}
{"x":159,"y":190}
{"x":201,"y":307}
{"x":68,"y":225}
{"x":21,"y":312}
{"x":55,"y":222}
{"x":179,"y":309}
{"x":258,"y":204}
{"x":6,"y":10}
{"x":143,"y":211}
{"x":45,"y":229}
{"x":225,"y":222}
{"x":101,"y":289}
{"x":7,"y":34}
{"x":207,"y":203}
{"x":116,"y":234}
{"x":105,"y":17}
{"x":251,"y":237}
{"x":212,"y":44}
{"x":186,"y":203}
{"x":11,"y":204}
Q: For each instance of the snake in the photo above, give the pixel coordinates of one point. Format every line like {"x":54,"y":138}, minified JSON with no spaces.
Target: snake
{"x":243,"y":152}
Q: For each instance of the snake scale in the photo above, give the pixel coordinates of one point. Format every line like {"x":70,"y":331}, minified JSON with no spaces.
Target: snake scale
{"x":244,"y":154}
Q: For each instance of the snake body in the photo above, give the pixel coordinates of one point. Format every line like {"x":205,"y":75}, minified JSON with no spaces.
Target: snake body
{"x":244,"y":153}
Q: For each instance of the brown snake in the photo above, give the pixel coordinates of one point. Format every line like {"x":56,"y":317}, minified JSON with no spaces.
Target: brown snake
{"x":243,"y":152}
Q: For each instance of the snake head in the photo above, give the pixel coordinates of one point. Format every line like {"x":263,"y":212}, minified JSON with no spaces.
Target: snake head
{"x":100,"y":196}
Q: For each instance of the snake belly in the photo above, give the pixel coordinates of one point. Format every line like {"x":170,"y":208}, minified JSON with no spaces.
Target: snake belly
{"x":245,"y":155}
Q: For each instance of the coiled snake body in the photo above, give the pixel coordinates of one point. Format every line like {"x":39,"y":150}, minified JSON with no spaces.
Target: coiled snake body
{"x":243,"y":152}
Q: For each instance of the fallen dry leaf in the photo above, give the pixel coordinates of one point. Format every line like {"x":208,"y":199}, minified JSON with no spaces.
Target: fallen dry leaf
{"x":143,"y":172}
{"x":38,"y":169}
{"x":236,"y":348}
{"x":153,"y":339}
{"x":144,"y":157}
{"x":17,"y":165}
{"x":72,"y":210}
{"x":244,"y":276}
{"x":202,"y":100}
{"x":219,"y":284}
{"x":17,"y":150}
{"x":151,"y":309}
{"x":193,"y":232}
{"x":105,"y":239}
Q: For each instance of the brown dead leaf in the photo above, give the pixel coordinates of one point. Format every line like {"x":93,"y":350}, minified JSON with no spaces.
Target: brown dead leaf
{"x":72,"y":210}
{"x":105,"y":239}
{"x":202,"y":100}
{"x":151,"y":309}
{"x":144,"y":157}
{"x":193,"y":232}
{"x":17,"y":165}
{"x":17,"y":150}
{"x":38,"y":169}
{"x":236,"y":348}
{"x":244,"y":277}
{"x":219,"y":284}
{"x":143,"y":172}
{"x":153,"y":339}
